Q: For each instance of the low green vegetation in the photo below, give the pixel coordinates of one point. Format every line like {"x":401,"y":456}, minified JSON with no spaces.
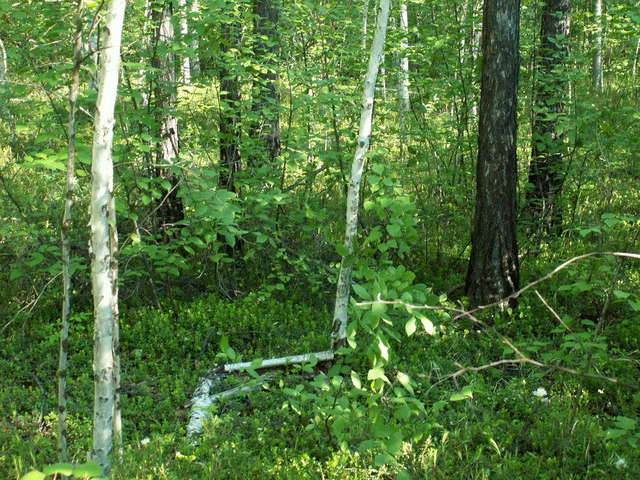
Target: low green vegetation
{"x":317,"y":421}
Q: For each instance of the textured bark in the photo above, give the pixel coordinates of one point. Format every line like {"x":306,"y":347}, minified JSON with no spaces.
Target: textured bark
{"x":403,"y":81}
{"x":343,"y":289}
{"x":103,"y":232}
{"x":266,"y":99}
{"x":597,"y":72}
{"x":185,"y":66}
{"x":229,"y":117}
{"x":493,"y":267}
{"x":171,"y":210}
{"x":74,"y":88}
{"x":545,"y":171}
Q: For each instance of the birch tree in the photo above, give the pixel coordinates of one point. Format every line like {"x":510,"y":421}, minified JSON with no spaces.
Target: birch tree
{"x":74,"y":88}
{"x":597,"y":71}
{"x":403,"y":81}
{"x":343,"y":289}
{"x":170,"y":210}
{"x":185,"y":66}
{"x":103,"y":244}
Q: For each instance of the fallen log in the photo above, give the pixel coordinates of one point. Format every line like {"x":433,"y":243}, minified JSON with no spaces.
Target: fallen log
{"x":203,"y":396}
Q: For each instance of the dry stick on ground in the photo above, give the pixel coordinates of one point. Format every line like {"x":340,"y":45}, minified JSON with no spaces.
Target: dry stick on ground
{"x":522,"y":358}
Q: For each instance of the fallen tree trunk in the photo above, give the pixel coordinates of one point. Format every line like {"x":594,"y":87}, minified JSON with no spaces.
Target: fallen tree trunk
{"x":204,"y":397}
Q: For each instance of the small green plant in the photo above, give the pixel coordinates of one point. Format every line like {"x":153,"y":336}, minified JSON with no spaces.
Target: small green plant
{"x":89,"y":470}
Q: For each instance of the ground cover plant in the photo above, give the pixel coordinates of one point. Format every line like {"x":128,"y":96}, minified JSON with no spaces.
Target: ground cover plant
{"x":440,"y":198}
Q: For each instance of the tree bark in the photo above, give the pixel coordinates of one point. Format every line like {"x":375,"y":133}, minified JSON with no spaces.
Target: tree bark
{"x":545,"y":171}
{"x":343,"y":289}
{"x":266,"y":99}
{"x":103,"y":232}
{"x":171,"y":209}
{"x":74,"y":89}
{"x":493,"y":268}
{"x":229,"y":108}
{"x":185,"y":66}
{"x":597,"y":72}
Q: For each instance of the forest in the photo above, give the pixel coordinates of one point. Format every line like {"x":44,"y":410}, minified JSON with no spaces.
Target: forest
{"x":319,"y":239}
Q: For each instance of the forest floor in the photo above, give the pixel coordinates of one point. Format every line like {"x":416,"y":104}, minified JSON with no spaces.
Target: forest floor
{"x":513,"y":421}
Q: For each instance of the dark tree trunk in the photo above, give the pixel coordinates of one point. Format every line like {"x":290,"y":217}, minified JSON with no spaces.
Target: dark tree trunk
{"x":171,"y":209}
{"x":545,"y":171}
{"x":229,"y":118}
{"x":493,"y":267}
{"x":266,"y":99}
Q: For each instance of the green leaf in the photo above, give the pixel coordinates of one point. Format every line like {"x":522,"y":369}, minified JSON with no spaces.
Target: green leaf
{"x":383,"y":459}
{"x":63,"y":468}
{"x":410,"y":327}
{"x":355,"y":379}
{"x":361,"y":291}
{"x":403,"y":475}
{"x":405,"y":381}
{"x":394,"y":230}
{"x":427,"y":325}
{"x":384,"y":349}
{"x":34,"y":475}
{"x":464,"y":394}
{"x":89,"y":469}
{"x":377,"y":373}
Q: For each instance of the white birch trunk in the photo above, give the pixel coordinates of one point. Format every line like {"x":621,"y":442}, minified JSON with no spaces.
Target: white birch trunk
{"x":185,"y":66}
{"x":598,"y":75}
{"x":281,"y":361}
{"x":74,"y":89}
{"x":365,"y":23}
{"x":195,"y":61}
{"x":103,"y":231}
{"x":340,"y":315}
{"x":4,"y":68}
{"x":635,"y":62}
{"x":403,"y":83}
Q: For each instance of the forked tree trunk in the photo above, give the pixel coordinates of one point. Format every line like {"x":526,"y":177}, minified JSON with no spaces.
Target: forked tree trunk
{"x":493,"y":268}
{"x":545,"y":171}
{"x":343,"y":289}
{"x":103,"y":233}
{"x":74,"y":89}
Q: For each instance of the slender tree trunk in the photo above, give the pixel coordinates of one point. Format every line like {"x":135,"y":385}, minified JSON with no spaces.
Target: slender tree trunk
{"x":195,"y":60}
{"x":103,"y":232}
{"x":171,"y":209}
{"x":229,"y":118}
{"x":597,"y":73}
{"x":266,"y":99}
{"x":365,"y":23}
{"x":343,"y":289}
{"x":4,"y":69}
{"x":185,"y":66}
{"x":403,"y":83}
{"x":74,"y":89}
{"x":493,"y":268}
{"x":545,"y":171}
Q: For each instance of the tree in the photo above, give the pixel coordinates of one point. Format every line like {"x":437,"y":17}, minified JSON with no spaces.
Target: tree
{"x":229,"y":123}
{"x":597,"y":70}
{"x":74,"y":89}
{"x":266,"y":99}
{"x":170,"y":210}
{"x":343,"y":288}
{"x":493,"y":267}
{"x":106,"y":422}
{"x":547,"y":143}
